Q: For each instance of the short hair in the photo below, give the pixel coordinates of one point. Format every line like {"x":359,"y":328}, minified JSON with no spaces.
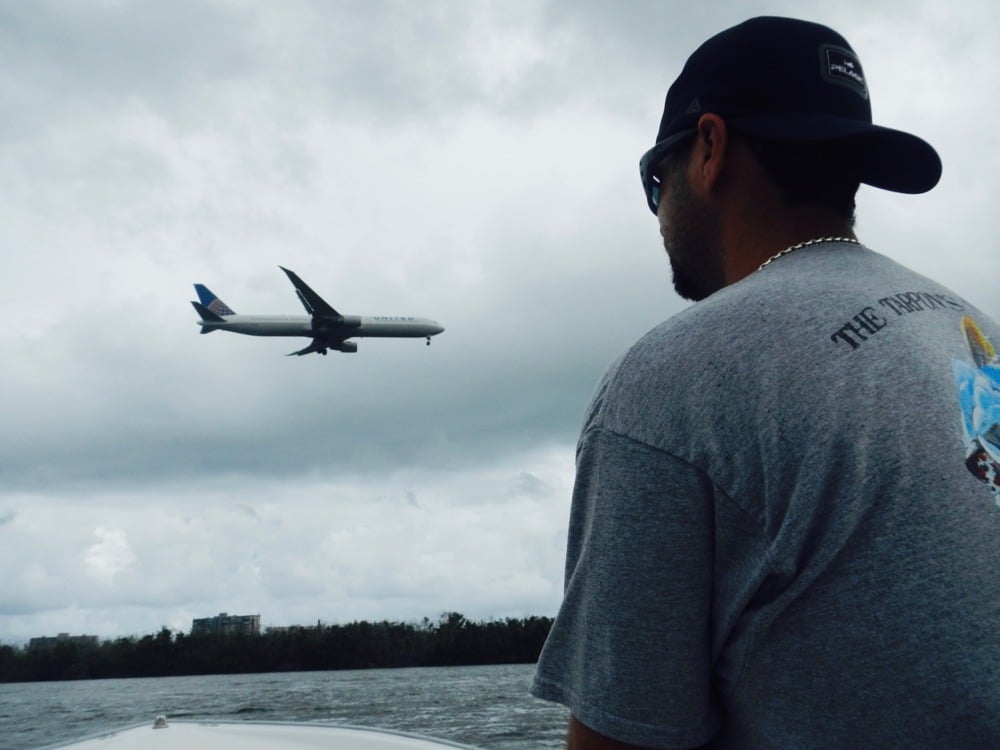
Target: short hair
{"x":811,"y":174}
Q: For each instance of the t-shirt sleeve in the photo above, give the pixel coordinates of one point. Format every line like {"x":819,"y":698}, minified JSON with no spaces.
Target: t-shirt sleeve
{"x":629,"y":652}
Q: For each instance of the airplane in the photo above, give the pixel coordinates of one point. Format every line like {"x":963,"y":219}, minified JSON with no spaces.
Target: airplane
{"x":327,"y":328}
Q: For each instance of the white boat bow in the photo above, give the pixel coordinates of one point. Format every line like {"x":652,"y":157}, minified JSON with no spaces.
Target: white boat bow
{"x":253,"y":735}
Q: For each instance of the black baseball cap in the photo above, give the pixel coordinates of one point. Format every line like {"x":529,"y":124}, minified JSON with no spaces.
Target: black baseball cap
{"x":781,"y":79}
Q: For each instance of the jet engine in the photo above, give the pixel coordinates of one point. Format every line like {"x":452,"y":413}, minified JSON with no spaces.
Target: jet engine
{"x":346,"y":346}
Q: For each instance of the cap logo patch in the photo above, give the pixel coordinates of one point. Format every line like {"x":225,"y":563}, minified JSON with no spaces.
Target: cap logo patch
{"x":841,"y":66}
{"x":694,"y":107}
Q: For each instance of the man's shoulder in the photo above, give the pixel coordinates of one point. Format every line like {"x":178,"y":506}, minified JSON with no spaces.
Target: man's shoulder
{"x":678,"y":356}
{"x":725,"y":317}
{"x":816,"y":287}
{"x":781,"y":315}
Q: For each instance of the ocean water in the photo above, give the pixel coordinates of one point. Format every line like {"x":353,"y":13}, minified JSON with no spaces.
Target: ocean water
{"x":487,"y":707}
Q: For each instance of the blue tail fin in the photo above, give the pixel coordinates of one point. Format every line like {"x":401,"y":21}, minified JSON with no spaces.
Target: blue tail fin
{"x":212,"y":302}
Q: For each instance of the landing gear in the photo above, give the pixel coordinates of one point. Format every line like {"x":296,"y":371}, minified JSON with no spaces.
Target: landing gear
{"x":428,"y":341}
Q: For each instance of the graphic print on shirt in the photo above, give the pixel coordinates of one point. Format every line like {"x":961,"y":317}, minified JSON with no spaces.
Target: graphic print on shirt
{"x":979,"y":396}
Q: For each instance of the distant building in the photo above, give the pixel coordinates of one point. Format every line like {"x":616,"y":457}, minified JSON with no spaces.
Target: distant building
{"x":47,"y":642}
{"x":225,"y":624}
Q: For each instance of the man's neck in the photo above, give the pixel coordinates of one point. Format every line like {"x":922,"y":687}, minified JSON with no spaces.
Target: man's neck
{"x":747,"y":247}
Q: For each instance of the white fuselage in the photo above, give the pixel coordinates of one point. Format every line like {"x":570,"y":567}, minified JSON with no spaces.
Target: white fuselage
{"x":353,"y":326}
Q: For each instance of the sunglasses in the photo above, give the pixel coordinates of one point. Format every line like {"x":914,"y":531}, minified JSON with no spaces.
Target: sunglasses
{"x":651,"y":163}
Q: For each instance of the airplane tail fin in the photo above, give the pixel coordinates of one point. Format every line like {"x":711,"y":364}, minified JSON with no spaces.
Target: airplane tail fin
{"x":207,"y":317}
{"x":211,"y":302}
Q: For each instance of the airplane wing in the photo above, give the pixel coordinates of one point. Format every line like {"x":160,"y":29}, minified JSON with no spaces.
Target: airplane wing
{"x":316,"y":346}
{"x":321,"y":344}
{"x":312,"y":302}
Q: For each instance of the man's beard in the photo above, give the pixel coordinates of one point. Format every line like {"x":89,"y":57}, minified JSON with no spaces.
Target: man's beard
{"x":692,"y":241}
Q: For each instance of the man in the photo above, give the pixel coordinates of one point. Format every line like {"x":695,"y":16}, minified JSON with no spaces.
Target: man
{"x":785,"y":530}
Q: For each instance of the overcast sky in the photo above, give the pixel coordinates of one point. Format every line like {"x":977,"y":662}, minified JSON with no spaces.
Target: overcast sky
{"x":471,"y":162}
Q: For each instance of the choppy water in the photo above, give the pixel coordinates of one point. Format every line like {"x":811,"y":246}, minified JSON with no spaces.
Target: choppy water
{"x":488,"y":707}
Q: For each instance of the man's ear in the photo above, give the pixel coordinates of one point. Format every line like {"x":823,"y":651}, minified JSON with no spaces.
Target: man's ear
{"x":711,"y":152}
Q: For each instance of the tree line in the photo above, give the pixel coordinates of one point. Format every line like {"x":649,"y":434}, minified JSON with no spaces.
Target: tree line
{"x":451,"y":641}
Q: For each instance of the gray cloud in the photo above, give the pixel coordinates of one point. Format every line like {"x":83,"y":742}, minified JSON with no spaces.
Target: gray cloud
{"x":471,"y":162}
{"x":75,"y":58}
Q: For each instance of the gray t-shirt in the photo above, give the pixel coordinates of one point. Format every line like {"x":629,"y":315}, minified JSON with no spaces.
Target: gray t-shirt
{"x":785,"y":530}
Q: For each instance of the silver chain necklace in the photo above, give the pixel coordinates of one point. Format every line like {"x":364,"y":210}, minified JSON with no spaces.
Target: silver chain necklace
{"x":807,"y":243}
